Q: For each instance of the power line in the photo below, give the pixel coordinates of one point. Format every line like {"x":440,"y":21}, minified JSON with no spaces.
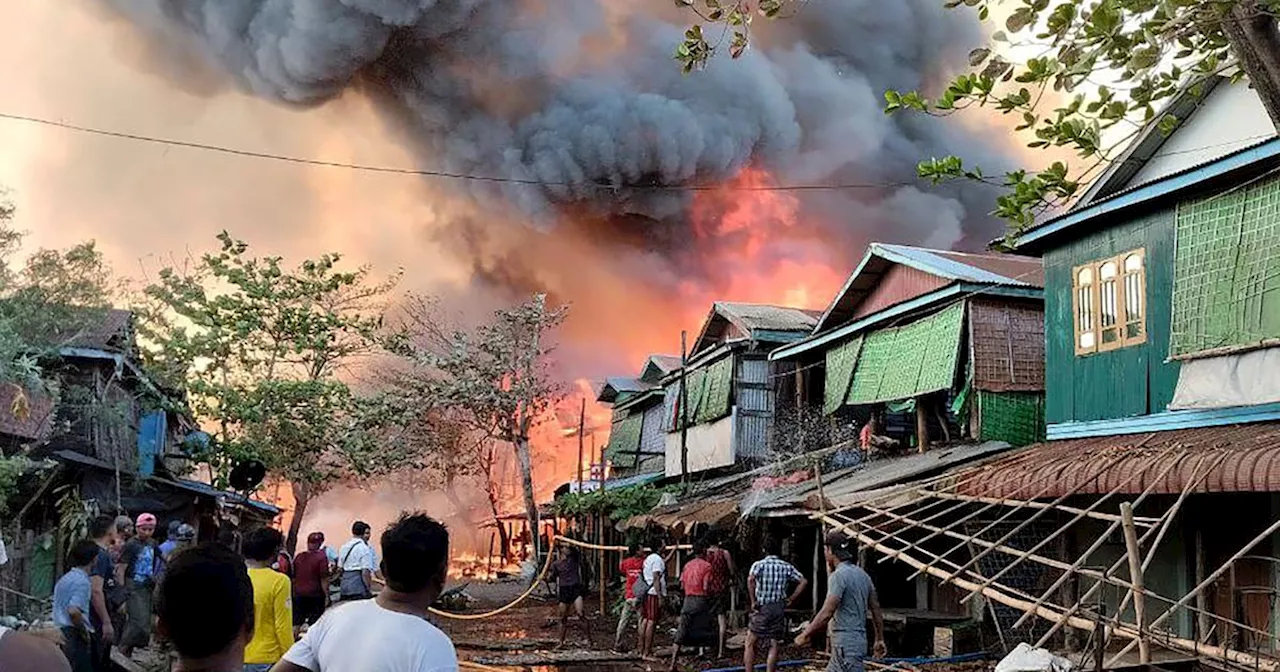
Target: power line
{"x":252,"y":154}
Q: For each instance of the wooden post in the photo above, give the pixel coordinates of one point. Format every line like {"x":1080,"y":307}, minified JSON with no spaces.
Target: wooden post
{"x":1228,"y":630}
{"x":1202,"y":616}
{"x":817,"y":567}
{"x":922,"y":425}
{"x":582,"y":421}
{"x":683,"y":400}
{"x":604,"y":571}
{"x":1135,"y":579}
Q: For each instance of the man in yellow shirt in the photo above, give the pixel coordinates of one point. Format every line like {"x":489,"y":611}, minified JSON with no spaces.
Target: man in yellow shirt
{"x":272,"y":602}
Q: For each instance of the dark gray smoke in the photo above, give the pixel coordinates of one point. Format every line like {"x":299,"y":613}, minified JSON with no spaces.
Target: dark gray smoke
{"x":583,"y":97}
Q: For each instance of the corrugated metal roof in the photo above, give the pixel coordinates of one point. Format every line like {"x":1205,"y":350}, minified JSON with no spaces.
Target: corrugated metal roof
{"x":873,"y":475}
{"x":1005,"y":269}
{"x":1239,"y":458}
{"x":982,"y":268}
{"x":755,"y":316}
{"x":107,"y":329}
{"x":667,"y":363}
{"x":191,"y":486}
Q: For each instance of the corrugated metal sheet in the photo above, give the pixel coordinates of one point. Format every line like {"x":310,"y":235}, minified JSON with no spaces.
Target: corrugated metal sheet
{"x":899,"y":283}
{"x":653,"y":435}
{"x":753,"y":394}
{"x":1249,"y":458}
{"x":1006,"y":269}
{"x":754,"y":316}
{"x":1008,"y":345}
{"x":844,"y":485}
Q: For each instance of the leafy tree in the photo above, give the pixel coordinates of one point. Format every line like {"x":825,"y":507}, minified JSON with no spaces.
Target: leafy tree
{"x":1096,"y":72}
{"x":265,"y":352}
{"x":44,"y":304}
{"x":617,"y":503}
{"x":496,"y":374}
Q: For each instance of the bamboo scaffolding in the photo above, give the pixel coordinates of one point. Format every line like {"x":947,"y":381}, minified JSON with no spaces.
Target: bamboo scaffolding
{"x":1044,"y":491}
{"x":1109,"y":517}
{"x":973,"y":474}
{"x":1076,"y":568}
{"x":1097,"y":543}
{"x":1259,"y":663}
{"x":1167,"y":518}
{"x":973,"y":561}
{"x":1222,"y":569}
{"x":1078,"y":517}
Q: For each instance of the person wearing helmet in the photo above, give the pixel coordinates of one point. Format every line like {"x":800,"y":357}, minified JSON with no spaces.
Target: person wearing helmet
{"x":139,"y":564}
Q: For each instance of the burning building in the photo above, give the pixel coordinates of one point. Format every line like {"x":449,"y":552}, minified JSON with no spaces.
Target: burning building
{"x":564,"y":151}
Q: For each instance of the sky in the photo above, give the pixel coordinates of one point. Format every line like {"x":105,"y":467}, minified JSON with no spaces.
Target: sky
{"x":148,"y":204}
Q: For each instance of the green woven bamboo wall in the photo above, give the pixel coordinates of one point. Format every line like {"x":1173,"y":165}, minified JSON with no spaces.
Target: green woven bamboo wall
{"x":1226,"y":284}
{"x":624,"y":440}
{"x":910,"y":360}
{"x":1015,"y":417}
{"x":841,"y":361}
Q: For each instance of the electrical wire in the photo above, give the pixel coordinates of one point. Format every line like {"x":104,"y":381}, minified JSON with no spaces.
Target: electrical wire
{"x":441,"y":174}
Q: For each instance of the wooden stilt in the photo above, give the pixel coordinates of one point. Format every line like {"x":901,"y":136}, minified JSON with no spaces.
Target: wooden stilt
{"x":1133,"y":551}
{"x":1202,"y":620}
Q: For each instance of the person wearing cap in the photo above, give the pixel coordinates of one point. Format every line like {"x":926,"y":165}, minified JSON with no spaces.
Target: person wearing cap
{"x":311,"y":571}
{"x":139,"y":564}
{"x":850,"y":596}
{"x":170,"y":538}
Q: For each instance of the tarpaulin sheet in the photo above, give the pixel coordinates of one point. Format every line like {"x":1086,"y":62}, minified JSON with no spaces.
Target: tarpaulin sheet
{"x":1247,"y":379}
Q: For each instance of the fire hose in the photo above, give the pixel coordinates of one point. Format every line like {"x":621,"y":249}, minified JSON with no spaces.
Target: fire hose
{"x":537,"y":580}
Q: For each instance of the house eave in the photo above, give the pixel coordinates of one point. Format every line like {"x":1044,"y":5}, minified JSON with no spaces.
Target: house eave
{"x":922,"y":302}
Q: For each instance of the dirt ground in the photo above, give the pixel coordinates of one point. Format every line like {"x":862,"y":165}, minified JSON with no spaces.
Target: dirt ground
{"x":532,"y":628}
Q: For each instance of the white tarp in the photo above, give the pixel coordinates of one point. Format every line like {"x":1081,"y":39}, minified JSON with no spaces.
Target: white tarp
{"x":1247,"y":379}
{"x":1024,"y":658}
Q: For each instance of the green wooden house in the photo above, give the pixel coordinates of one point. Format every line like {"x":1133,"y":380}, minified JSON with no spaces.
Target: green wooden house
{"x":1162,"y":363}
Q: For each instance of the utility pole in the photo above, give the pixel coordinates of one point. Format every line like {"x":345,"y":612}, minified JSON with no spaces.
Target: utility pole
{"x":684,"y":410}
{"x":582,"y":421}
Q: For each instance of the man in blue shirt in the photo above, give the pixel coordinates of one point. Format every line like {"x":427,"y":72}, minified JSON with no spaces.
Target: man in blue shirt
{"x":71,"y":598}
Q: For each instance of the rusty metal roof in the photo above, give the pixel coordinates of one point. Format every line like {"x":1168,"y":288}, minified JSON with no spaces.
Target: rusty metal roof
{"x":1239,"y":458}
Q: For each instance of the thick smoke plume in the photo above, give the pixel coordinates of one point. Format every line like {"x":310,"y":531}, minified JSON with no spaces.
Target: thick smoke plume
{"x":582,"y":97}
{"x":595,"y":137}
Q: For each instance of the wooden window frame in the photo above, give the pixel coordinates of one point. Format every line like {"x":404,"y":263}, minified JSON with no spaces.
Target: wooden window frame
{"x":1123,"y":323}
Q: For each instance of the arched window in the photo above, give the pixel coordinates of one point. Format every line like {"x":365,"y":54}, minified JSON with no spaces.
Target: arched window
{"x":1109,"y":303}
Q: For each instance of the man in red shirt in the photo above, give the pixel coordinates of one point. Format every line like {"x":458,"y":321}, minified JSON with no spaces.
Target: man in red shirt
{"x":722,"y":573}
{"x":695,"y":616}
{"x":631,"y":567}
{"x":311,"y":571}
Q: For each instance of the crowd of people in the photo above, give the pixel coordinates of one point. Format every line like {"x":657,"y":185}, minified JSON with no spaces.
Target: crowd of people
{"x":217,"y":608}
{"x":772,"y":585}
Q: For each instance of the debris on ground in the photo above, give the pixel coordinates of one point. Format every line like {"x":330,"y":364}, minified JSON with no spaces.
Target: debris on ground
{"x":540,"y":658}
{"x":1026,"y":658}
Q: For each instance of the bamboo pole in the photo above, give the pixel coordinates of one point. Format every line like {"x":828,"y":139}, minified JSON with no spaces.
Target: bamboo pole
{"x":1239,"y":657}
{"x":1168,"y":517}
{"x":1133,"y":551}
{"x":1202,"y":622}
{"x":1078,"y":517}
{"x":1096,"y":515}
{"x":1224,"y":568}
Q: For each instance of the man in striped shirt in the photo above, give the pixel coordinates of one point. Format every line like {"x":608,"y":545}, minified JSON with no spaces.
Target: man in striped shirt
{"x":767,"y":584}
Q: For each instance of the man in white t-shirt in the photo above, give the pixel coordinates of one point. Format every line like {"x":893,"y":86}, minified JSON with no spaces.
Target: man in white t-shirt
{"x":389,"y":633}
{"x":655,"y":576}
{"x":357,"y":562}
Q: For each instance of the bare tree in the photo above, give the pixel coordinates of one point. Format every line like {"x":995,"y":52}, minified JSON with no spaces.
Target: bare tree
{"x":494,"y":377}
